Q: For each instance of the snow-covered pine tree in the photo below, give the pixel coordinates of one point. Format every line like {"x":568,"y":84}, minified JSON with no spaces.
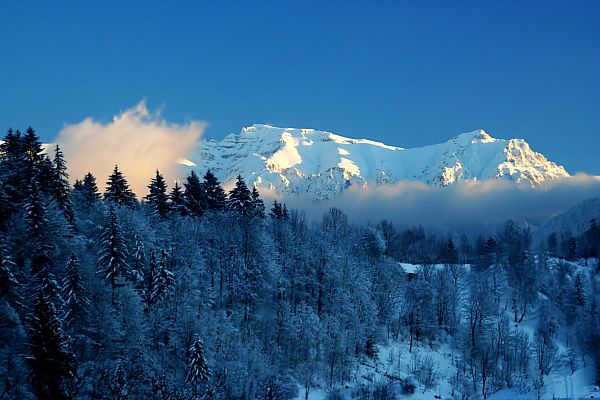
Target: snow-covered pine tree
{"x":9,"y":285}
{"x":176,"y":199}
{"x":285,"y":215}
{"x":194,"y":195}
{"x":90,"y":188}
{"x":279,"y":211}
{"x":6,"y":208}
{"x":276,"y":210}
{"x":45,"y":176}
{"x":112,"y":260}
{"x":158,"y":199}
{"x":197,"y":370}
{"x":163,"y":280}
{"x":257,"y":204}
{"x":12,"y":334}
{"x":451,"y":255}
{"x":32,"y":151}
{"x":13,"y":169}
{"x":36,"y":224}
{"x":117,"y":189}
{"x":75,"y":299}
{"x":49,"y":357}
{"x":62,"y":193}
{"x":136,"y":271}
{"x":10,"y":145}
{"x":214,"y":193}
{"x":149,"y":280}
{"x":35,"y":212}
{"x":240,"y":199}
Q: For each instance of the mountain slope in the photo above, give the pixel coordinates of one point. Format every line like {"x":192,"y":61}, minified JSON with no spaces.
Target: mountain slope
{"x":295,"y":161}
{"x":574,"y":221}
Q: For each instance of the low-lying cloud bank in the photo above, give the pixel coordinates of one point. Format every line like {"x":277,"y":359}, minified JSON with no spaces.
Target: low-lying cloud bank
{"x":137,"y":140}
{"x":466,"y":205}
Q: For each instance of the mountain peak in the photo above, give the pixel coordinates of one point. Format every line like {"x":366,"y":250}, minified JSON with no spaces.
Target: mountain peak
{"x":476,"y":136}
{"x":294,"y":161}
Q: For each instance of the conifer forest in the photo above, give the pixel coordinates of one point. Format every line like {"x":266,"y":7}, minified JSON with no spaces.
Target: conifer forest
{"x":191,"y":291}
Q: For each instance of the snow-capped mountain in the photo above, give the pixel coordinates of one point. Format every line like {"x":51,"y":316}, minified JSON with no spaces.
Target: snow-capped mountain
{"x":295,"y":161}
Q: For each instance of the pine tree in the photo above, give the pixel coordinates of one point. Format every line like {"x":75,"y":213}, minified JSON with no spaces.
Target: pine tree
{"x":158,"y":280}
{"x":197,"y":370}
{"x":11,"y":146}
{"x":240,"y":199}
{"x":158,"y":199}
{"x":117,"y":189}
{"x":150,"y":280}
{"x":451,"y":253}
{"x":45,"y":176}
{"x":9,"y":285}
{"x":78,"y":185}
{"x":49,"y":357}
{"x":32,"y":151}
{"x":136,"y":271}
{"x":13,"y":168}
{"x":214,"y":193}
{"x":112,"y":260}
{"x":177,"y":200}
{"x":6,"y":208}
{"x":12,"y":334}
{"x":75,"y":300}
{"x":35,"y":213}
{"x":89,"y":188}
{"x":257,"y":204}
{"x":276,"y":211}
{"x":285,"y":215}
{"x":62,"y":193}
{"x":162,"y":279}
{"x":194,"y":195}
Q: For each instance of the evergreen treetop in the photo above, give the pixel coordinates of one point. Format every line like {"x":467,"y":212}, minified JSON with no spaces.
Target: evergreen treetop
{"x":197,"y":370}
{"x":176,"y":199}
{"x":158,"y":199}
{"x":112,"y":260}
{"x":240,"y":199}
{"x":194,"y":195}
{"x":215,"y":195}
{"x":117,"y":189}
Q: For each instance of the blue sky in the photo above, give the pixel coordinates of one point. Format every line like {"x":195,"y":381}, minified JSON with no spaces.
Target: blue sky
{"x":406,"y":73}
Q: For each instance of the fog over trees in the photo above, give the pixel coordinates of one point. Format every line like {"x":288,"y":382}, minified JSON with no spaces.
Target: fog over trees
{"x":194,"y":292}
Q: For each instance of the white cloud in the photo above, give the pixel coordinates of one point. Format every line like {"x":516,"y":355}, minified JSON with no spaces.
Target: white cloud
{"x":137,"y":140}
{"x":464,"y":205}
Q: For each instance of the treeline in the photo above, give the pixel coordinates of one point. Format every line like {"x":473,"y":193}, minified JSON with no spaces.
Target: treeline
{"x":198,"y":293}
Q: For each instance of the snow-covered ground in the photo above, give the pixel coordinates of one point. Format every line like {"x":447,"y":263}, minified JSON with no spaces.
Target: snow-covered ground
{"x":395,"y":363}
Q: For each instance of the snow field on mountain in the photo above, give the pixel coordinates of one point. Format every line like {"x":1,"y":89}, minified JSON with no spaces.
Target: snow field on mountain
{"x":296,"y":161}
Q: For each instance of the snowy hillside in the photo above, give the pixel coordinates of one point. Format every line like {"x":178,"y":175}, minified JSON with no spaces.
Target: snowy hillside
{"x":574,"y":221}
{"x":295,"y":161}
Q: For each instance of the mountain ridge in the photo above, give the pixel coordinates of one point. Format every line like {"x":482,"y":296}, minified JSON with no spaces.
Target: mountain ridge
{"x":293,"y":161}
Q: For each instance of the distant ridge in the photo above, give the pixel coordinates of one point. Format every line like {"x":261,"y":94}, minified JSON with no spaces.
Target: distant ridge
{"x":295,"y":161}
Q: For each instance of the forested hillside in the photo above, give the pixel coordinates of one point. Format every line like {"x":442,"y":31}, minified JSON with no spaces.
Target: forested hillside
{"x":189,"y":292}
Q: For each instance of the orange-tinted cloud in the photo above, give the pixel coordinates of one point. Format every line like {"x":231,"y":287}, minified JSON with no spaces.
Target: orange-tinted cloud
{"x":137,"y":140}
